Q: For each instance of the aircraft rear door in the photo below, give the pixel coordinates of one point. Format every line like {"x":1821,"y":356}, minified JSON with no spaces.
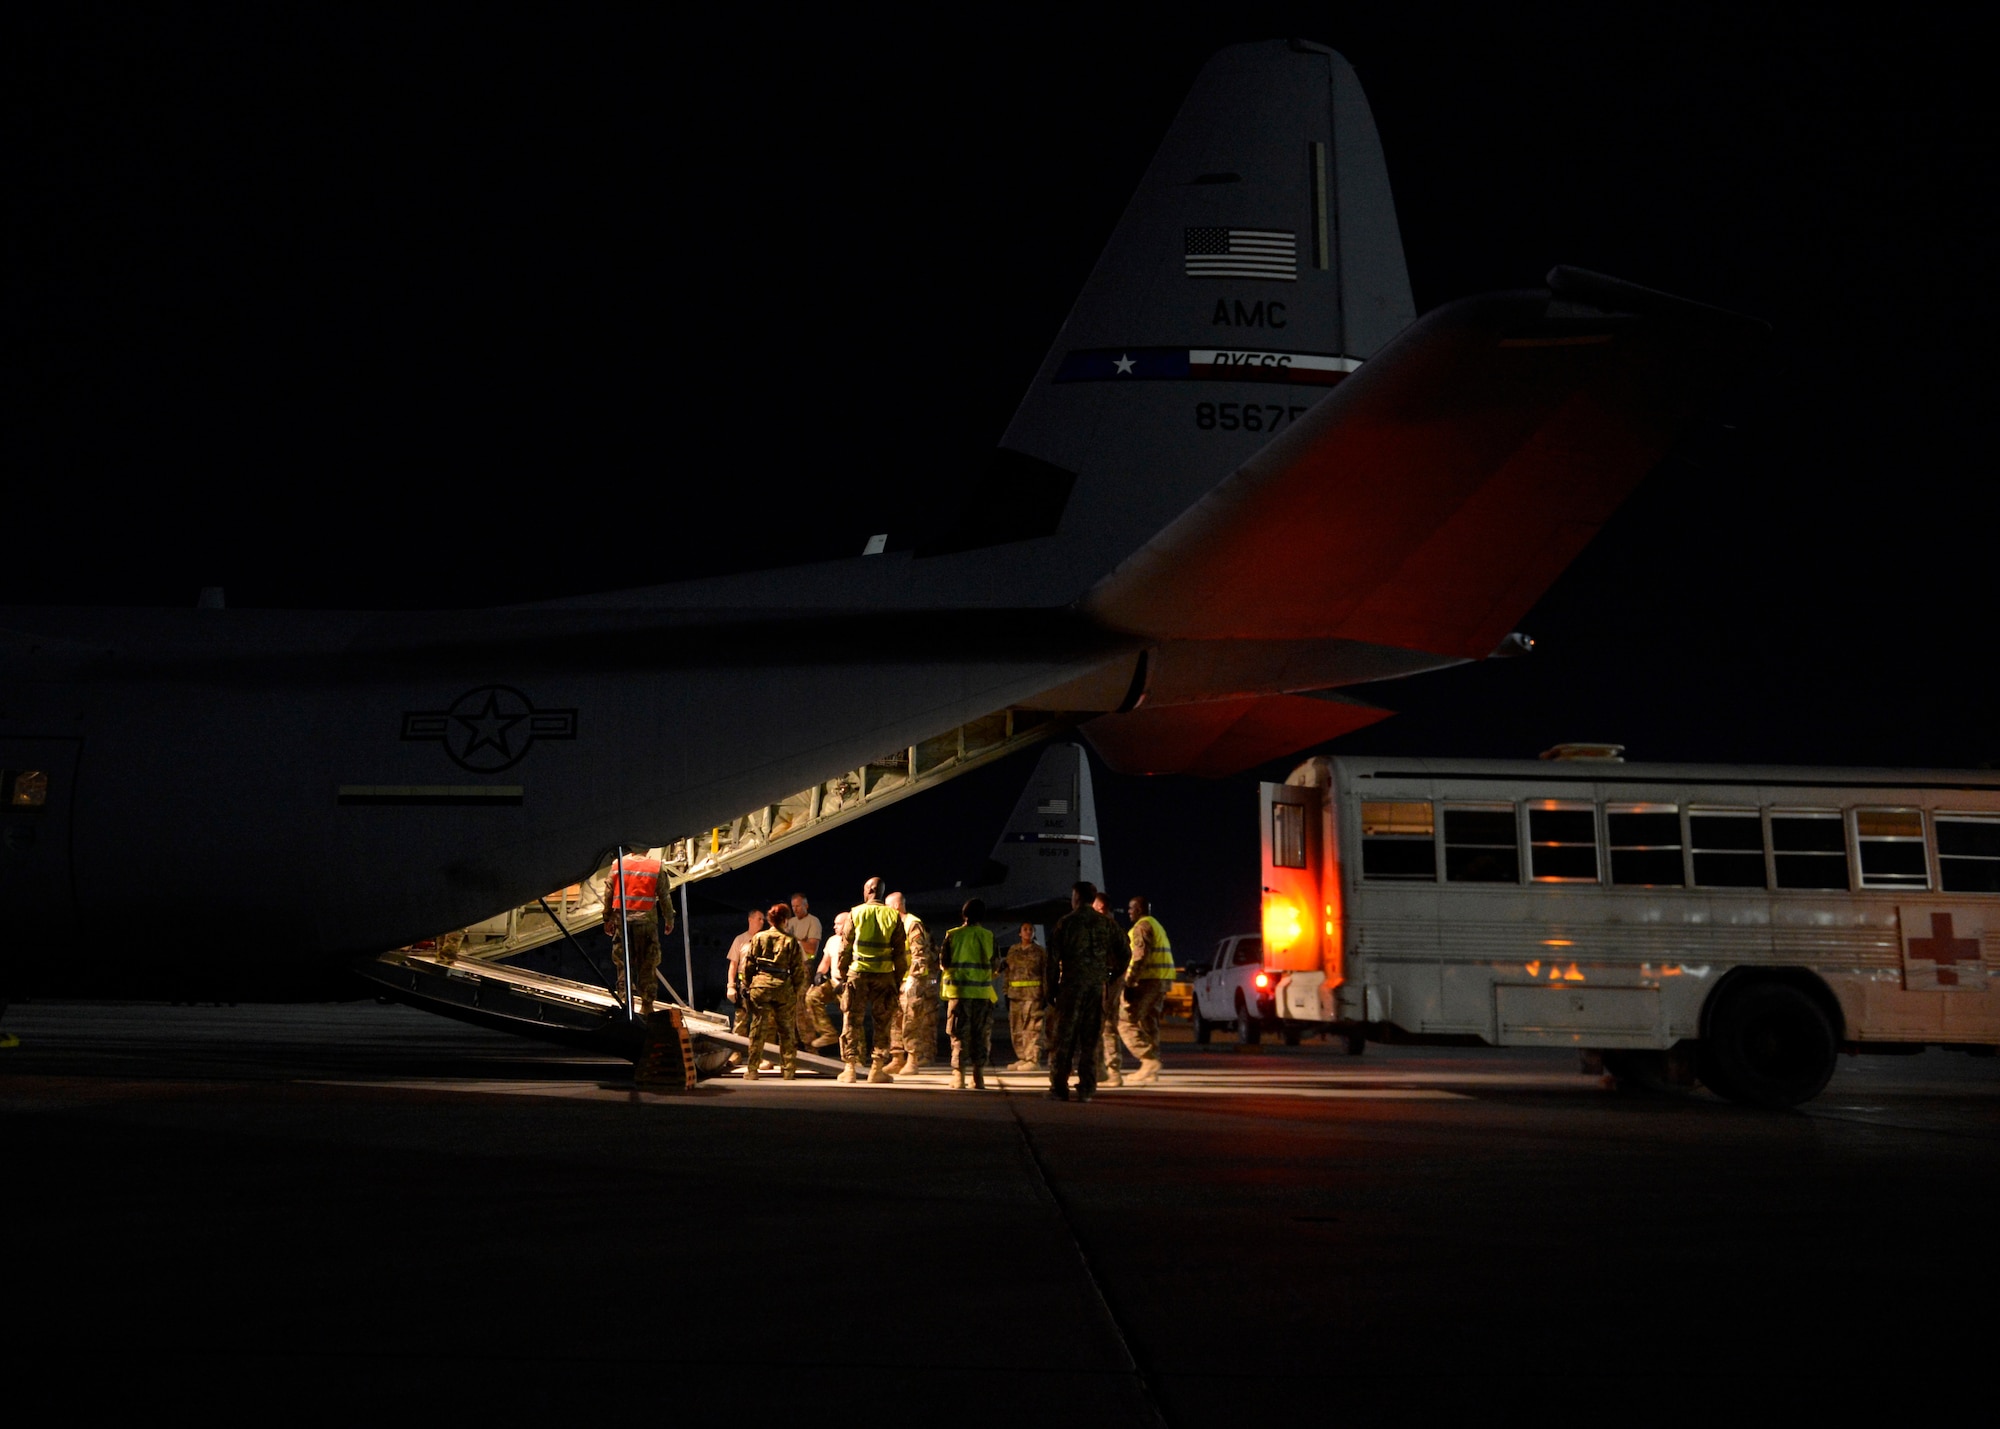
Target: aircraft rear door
{"x":37,"y":895}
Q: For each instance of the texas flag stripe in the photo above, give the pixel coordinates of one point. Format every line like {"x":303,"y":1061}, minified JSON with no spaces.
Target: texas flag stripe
{"x":1208,"y":364}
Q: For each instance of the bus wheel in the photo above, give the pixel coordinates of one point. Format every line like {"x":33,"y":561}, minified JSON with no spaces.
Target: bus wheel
{"x":1203,"y":1028}
{"x":1291,"y":1032}
{"x":1769,"y":1045}
{"x":1249,"y":1031}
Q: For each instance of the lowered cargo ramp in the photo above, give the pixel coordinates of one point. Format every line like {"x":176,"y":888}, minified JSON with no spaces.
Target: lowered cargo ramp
{"x":465,"y":973}
{"x":551,"y":1009}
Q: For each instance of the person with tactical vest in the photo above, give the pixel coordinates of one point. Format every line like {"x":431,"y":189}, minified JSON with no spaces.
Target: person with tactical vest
{"x":773,"y":977}
{"x":1026,"y":1012}
{"x":914,"y":1036}
{"x":1080,"y":956}
{"x":870,"y":974}
{"x":969,"y":996}
{"x":805,"y":931}
{"x":1148,"y":975}
{"x":634,"y":907}
{"x":1109,"y":1067}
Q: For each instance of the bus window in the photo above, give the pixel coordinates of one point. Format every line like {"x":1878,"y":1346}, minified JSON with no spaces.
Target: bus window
{"x":1562,"y":842}
{"x":1728,"y":848}
{"x":1481,"y":844}
{"x":1645,"y":844}
{"x":1968,"y":853}
{"x":1809,"y":848}
{"x":1892,"y":848}
{"x":1397,"y":843}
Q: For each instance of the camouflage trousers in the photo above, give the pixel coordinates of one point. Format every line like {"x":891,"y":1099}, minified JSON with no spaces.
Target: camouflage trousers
{"x":867,"y":1013}
{"x":1114,"y":994}
{"x":916,"y":1028}
{"x":1027,"y":1024}
{"x":771,"y":1020}
{"x":819,"y":1004}
{"x":646,"y":940}
{"x":1139,"y":1017}
{"x":969,"y":1020}
{"x":1078,"y":1037}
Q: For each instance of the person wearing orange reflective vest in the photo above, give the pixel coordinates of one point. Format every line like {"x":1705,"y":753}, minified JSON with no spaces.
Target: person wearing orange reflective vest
{"x":1148,"y":975}
{"x":634,"y":901}
{"x":870,"y":975}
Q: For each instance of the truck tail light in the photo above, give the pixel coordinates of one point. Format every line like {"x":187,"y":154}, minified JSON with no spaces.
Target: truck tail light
{"x":1263,"y":981}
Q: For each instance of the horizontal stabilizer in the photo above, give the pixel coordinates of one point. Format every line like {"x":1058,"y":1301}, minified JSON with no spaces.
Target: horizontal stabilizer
{"x":1432,"y":497}
{"x":1219,"y":737}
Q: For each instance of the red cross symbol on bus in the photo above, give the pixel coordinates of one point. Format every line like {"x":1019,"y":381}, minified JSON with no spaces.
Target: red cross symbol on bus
{"x":1945,"y":950}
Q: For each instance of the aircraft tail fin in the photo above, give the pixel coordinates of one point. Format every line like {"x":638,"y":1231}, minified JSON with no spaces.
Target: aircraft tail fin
{"x":1257,"y":264}
{"x":1049,"y":841}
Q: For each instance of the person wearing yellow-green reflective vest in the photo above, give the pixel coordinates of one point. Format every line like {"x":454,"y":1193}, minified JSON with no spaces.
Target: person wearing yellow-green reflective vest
{"x":1147,"y":977}
{"x":870,"y":974}
{"x":969,"y":996}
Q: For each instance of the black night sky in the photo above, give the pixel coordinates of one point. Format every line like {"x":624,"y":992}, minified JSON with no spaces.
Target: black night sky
{"x":338,"y":309}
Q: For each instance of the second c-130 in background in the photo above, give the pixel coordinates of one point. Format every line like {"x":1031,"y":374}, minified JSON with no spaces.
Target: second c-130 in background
{"x":1221,"y":525}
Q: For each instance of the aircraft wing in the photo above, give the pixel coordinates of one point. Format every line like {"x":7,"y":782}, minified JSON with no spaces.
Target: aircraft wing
{"x":1432,"y":497}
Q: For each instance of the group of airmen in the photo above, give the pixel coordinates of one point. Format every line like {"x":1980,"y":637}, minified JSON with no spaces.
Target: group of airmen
{"x":1069,"y":1005}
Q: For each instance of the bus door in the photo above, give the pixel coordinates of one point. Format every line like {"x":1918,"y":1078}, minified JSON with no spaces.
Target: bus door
{"x":1297,"y":911}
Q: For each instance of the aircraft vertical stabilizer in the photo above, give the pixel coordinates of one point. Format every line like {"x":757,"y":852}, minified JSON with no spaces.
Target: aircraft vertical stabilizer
{"x":1257,"y":264}
{"x":1049,"y":842}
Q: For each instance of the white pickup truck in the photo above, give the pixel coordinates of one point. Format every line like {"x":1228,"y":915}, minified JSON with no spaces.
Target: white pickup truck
{"x":1236,"y":991}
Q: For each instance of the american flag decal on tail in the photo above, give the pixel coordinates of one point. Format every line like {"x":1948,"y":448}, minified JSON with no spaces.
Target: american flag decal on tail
{"x":1242,"y":253}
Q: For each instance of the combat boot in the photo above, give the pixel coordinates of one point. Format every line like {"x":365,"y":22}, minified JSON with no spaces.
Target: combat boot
{"x":1024,"y":1065}
{"x":1148,"y":1073}
{"x":849,"y":1073}
{"x":911,"y":1061}
{"x":895,"y":1062}
{"x":789,"y":1075}
{"x":979,"y":1079}
{"x":1114,"y":1076}
{"x":957,"y":1080}
{"x":881,"y":1073}
{"x":750,"y":1073}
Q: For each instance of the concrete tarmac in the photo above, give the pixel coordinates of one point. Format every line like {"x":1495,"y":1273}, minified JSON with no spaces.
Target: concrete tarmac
{"x":366,"y":1209}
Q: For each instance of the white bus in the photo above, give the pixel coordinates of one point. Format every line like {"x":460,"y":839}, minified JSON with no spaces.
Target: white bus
{"x":1745,"y":925}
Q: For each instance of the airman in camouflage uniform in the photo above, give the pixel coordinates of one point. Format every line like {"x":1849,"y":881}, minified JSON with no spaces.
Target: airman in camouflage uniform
{"x":871,"y":967}
{"x":1086,"y":947}
{"x":773,"y":977}
{"x":1108,"y":1068}
{"x":914,"y":1038}
{"x":825,"y":994}
{"x":1148,"y":975}
{"x":1027,"y":1013}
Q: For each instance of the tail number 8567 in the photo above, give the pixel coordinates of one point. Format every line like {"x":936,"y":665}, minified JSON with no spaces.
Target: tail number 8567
{"x":1246,"y":416}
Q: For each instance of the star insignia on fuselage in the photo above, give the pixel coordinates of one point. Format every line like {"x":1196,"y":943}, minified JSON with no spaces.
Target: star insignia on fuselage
{"x":1124,"y":364}
{"x":488,"y":729}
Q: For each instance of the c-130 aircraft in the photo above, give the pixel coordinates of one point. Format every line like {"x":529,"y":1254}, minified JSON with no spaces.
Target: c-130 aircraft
{"x":1246,"y":476}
